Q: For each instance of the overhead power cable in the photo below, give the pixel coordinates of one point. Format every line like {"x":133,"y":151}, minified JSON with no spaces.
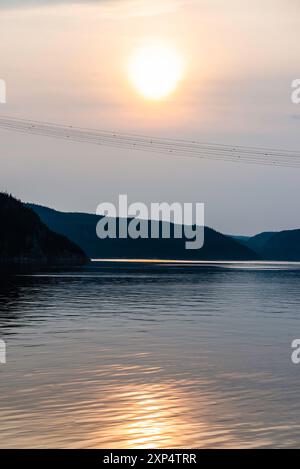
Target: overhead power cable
{"x":169,"y":146}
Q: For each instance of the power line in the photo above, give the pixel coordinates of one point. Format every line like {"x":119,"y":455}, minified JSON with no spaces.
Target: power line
{"x":169,"y":146}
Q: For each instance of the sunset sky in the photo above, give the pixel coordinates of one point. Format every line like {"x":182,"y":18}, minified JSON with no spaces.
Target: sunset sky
{"x":222,"y":73}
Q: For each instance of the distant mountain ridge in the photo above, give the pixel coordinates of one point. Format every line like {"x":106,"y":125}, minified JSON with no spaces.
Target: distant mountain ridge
{"x":25,"y":240}
{"x":81,"y":229}
{"x":275,"y":246}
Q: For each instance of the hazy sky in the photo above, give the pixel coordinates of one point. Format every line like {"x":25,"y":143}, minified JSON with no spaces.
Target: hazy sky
{"x":68,"y":61}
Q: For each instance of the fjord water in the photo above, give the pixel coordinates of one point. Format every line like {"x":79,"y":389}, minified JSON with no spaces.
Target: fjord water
{"x":151,"y":355}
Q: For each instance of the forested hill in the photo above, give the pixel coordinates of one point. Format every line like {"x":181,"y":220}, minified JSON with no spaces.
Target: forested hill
{"x":81,"y":228}
{"x":26,"y":240}
{"x":275,"y":246}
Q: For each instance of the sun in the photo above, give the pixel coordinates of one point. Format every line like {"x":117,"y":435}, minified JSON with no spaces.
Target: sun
{"x":155,"y":71}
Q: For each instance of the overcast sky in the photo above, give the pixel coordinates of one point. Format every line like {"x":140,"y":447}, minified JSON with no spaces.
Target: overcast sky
{"x":67,"y":61}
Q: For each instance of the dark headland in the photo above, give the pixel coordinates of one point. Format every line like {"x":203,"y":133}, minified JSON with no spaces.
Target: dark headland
{"x":26,"y":241}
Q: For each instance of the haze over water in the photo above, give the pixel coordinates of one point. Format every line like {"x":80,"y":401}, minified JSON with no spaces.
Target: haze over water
{"x":149,"y":355}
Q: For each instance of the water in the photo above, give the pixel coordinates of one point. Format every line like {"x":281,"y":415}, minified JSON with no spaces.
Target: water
{"x":148,"y":355}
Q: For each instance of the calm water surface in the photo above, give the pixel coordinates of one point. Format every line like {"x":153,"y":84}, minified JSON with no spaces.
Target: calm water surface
{"x":149,"y":355}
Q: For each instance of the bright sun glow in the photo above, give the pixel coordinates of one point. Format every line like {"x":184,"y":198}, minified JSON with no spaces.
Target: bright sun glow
{"x":155,"y":71}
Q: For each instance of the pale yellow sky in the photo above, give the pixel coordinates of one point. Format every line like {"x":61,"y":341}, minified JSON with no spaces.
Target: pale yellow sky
{"x":76,"y":57}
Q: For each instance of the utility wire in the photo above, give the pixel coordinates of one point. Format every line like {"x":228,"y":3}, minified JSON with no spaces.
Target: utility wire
{"x":168,"y":146}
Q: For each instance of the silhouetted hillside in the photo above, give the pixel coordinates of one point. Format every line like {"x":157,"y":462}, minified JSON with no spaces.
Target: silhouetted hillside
{"x":280,"y":246}
{"x":25,"y":240}
{"x":256,"y":242}
{"x":81,"y":228}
